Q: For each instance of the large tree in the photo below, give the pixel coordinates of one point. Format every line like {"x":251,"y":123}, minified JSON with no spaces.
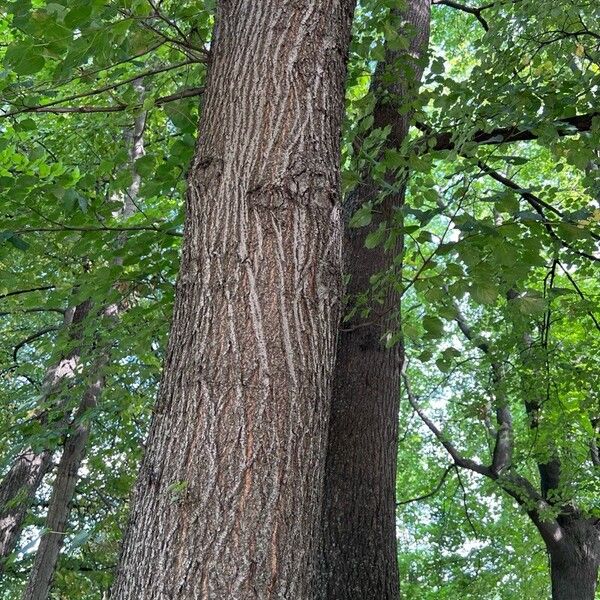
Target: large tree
{"x":504,"y":267}
{"x":228,"y":501}
{"x":359,"y":518}
{"x":503,"y":180}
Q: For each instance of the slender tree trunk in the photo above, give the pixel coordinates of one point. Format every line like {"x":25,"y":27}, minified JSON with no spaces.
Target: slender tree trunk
{"x":574,"y":561}
{"x":63,"y":490}
{"x":16,"y":494}
{"x":228,"y":501}
{"x":23,"y":479}
{"x":359,"y":554}
{"x":74,"y":448}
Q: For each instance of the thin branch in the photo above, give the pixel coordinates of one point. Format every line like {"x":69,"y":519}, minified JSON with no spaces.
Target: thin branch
{"x":31,"y":338}
{"x":32,"y":310}
{"x":188,"y":93}
{"x":538,"y":205}
{"x":100,"y":90}
{"x":531,"y":199}
{"x":581,"y":294}
{"x":64,"y":228}
{"x":503,"y":135}
{"x":464,"y":495}
{"x":503,"y":447}
{"x":594,"y":453}
{"x":465,"y":463}
{"x":41,"y":288}
{"x":476,"y":12}
{"x":515,"y":485}
{"x":433,"y":492}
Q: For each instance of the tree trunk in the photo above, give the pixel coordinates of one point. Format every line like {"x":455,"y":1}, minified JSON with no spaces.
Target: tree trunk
{"x":63,"y":490}
{"x":228,"y":500}
{"x":359,"y":521}
{"x":16,"y":494}
{"x":23,"y":479}
{"x":575,"y":560}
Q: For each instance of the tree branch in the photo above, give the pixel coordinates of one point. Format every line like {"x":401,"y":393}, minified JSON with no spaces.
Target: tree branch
{"x":41,"y":288}
{"x":465,"y":463}
{"x":82,"y":229}
{"x":538,"y":205}
{"x":98,"y":91}
{"x":188,"y":93}
{"x":503,"y":447}
{"x":433,"y":492}
{"x":504,"y":135}
{"x":515,"y":485}
{"x":31,"y":338}
{"x":32,"y":310}
{"x":578,"y":290}
{"x":476,"y":12}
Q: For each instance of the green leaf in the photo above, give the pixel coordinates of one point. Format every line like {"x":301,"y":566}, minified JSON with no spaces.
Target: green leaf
{"x":145,"y":166}
{"x":484,"y":293}
{"x":374,"y":238}
{"x":530,"y":304}
{"x":79,"y":15}
{"x":24,"y":59}
{"x":362,"y":217}
{"x":14,"y":239}
{"x":433,"y":325}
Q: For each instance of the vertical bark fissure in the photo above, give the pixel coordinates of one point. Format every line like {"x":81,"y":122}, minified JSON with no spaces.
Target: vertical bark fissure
{"x":228,"y":501}
{"x":359,"y":519}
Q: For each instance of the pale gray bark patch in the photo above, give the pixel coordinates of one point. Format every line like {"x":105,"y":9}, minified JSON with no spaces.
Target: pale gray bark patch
{"x":228,"y":501}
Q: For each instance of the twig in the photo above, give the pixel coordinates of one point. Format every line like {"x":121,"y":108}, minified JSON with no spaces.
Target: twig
{"x":100,"y":90}
{"x":31,"y":338}
{"x":433,"y":492}
{"x":188,"y":93}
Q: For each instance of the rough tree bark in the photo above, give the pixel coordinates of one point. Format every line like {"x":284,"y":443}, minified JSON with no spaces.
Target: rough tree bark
{"x":574,"y":559}
{"x":228,"y":500}
{"x":20,"y":484}
{"x":74,"y":447}
{"x":359,"y":520}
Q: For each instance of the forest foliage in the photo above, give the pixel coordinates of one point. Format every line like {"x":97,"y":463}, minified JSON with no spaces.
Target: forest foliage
{"x":500,"y":278}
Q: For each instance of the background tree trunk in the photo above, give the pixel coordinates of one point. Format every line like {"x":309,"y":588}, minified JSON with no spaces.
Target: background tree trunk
{"x":25,"y":475}
{"x":63,"y":490}
{"x":359,"y":521}
{"x":228,"y":501}
{"x":575,"y":559}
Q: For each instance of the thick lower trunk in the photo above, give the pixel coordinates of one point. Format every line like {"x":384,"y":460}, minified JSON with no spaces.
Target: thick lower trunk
{"x":228,"y":501}
{"x":359,"y":518}
{"x":575,"y":580}
{"x":574,"y":561}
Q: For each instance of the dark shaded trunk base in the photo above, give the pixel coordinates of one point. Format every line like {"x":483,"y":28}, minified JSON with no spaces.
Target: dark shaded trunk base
{"x":574,"y":580}
{"x":574,"y":559}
